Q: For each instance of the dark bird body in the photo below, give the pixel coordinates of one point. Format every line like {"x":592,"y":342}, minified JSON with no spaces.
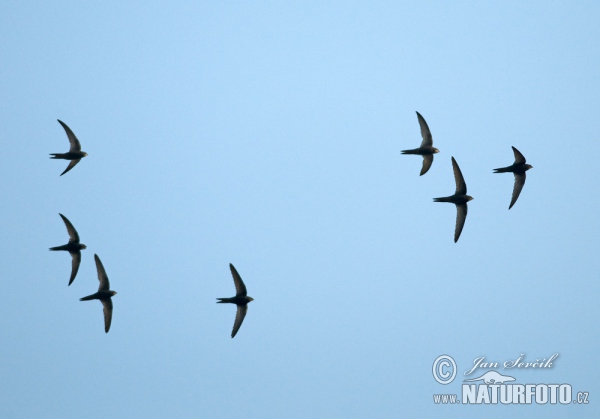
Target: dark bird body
{"x":75,"y":154}
{"x":460,"y":199}
{"x":241,"y":299}
{"x":104,"y":294}
{"x":518,"y":168}
{"x":426,"y":149}
{"x":73,"y":247}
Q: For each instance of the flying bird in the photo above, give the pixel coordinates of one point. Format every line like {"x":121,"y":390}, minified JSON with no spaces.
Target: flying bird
{"x":75,"y":154}
{"x":460,"y":199}
{"x":104,"y":294}
{"x":241,"y":299}
{"x":73,"y":247}
{"x":426,"y":149}
{"x":518,"y":168}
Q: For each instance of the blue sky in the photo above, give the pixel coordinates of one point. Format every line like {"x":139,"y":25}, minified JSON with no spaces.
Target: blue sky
{"x":268,"y":135}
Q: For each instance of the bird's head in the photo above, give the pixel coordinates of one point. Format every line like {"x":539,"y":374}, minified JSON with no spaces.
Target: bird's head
{"x":113,"y":293}
{"x":84,"y":154}
{"x":469,"y":198}
{"x":435,"y":150}
{"x":250,"y":299}
{"x":528,"y":166}
{"x":82,"y":246}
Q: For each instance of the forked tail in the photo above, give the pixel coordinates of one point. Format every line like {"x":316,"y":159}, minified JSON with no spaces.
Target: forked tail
{"x":224,"y":300}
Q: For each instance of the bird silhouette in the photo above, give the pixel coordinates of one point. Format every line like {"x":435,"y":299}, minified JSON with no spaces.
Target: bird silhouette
{"x":518,"y":168}
{"x":73,"y":247}
{"x":460,"y":199}
{"x":426,"y":149}
{"x":75,"y":154}
{"x":241,"y":299}
{"x":104,"y":294}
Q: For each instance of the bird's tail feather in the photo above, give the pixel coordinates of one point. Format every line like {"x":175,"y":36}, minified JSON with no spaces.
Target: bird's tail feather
{"x":89,"y":297}
{"x":447,"y":199}
{"x":224,"y":300}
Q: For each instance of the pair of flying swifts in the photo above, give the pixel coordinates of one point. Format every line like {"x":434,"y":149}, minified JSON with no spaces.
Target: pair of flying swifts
{"x":104,"y":294}
{"x":460,"y":197}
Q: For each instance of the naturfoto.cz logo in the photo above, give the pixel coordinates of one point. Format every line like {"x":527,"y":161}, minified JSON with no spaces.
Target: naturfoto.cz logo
{"x":493,"y":387}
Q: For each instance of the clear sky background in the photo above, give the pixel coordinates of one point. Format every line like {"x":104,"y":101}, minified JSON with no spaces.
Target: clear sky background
{"x":268,"y":135}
